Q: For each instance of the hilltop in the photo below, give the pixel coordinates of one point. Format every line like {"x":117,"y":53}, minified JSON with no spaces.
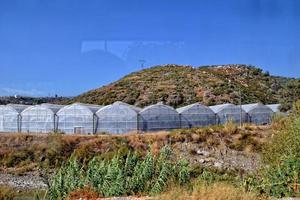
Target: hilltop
{"x":32,"y":100}
{"x":182,"y":85}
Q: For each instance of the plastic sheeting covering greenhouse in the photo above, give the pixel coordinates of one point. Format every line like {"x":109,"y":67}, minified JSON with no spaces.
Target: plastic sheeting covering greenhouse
{"x":158,"y":117}
{"x":10,"y":117}
{"x":78,"y":118}
{"x":274,"y":107}
{"x":196,"y":115}
{"x":227,"y":112}
{"x":258,"y":113}
{"x":40,"y":118}
{"x":118,"y":118}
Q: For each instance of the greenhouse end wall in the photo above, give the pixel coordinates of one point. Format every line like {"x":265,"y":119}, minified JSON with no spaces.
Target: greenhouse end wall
{"x":196,"y":115}
{"x":158,"y":117}
{"x":10,"y":119}
{"x":229,"y":112}
{"x":258,"y":113}
{"x":118,"y":118}
{"x":77,"y":118}
{"x":38,"y":119}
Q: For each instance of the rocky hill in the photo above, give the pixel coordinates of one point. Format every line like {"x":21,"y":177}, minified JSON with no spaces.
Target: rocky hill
{"x":181,"y":85}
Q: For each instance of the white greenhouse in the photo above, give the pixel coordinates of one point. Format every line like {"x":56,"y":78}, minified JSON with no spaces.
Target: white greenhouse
{"x":10,"y":117}
{"x":274,"y":107}
{"x":158,"y":117}
{"x":78,"y":118}
{"x":227,"y":112}
{"x":258,"y":113}
{"x":117,"y":118}
{"x":196,"y":115}
{"x":40,"y":118}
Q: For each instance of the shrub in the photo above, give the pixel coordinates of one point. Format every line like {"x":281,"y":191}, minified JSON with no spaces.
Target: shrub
{"x":283,"y":179}
{"x":285,"y":142}
{"x":230,"y":127}
{"x":282,"y":158}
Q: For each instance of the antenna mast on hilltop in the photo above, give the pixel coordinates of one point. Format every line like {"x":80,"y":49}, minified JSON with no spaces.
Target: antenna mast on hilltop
{"x":142,"y":63}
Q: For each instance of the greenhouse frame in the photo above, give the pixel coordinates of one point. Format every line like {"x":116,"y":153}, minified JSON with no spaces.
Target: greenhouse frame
{"x":78,"y":118}
{"x":40,"y":118}
{"x":258,"y":113}
{"x":10,"y":117}
{"x":158,"y":117}
{"x":118,"y":118}
{"x":229,"y":112}
{"x":196,"y":115}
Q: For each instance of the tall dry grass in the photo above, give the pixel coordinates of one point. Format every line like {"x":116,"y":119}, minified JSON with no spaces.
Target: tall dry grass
{"x":216,"y":191}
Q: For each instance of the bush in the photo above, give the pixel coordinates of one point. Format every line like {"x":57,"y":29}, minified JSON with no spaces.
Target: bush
{"x":285,"y":142}
{"x":282,"y":157}
{"x":283,"y":179}
{"x":230,"y":127}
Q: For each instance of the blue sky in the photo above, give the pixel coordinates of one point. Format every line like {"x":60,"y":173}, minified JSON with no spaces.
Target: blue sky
{"x":65,"y":47}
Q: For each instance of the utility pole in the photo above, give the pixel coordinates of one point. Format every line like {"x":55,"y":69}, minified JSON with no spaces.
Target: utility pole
{"x":240,"y":104}
{"x":142,"y":63}
{"x":241,"y":111}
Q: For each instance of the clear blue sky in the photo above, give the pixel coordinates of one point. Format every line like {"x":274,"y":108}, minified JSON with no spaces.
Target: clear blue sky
{"x":65,"y":47}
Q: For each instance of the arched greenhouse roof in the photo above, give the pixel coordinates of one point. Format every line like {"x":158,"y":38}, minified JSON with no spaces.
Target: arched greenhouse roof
{"x":52,"y":108}
{"x":255,"y":106}
{"x":92,"y":109}
{"x":219,"y":108}
{"x":159,"y":105}
{"x":121,"y":105}
{"x":274,"y":107}
{"x":18,"y":108}
{"x":199,"y":108}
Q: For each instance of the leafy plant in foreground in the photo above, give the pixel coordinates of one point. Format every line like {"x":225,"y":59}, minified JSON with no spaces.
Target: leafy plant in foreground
{"x":122,"y":175}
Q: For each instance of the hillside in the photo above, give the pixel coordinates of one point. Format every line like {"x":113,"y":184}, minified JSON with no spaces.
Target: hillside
{"x":182,"y":85}
{"x":32,"y":100}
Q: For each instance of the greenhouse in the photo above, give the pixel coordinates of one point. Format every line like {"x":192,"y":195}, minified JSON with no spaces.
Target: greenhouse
{"x":158,"y":117}
{"x":274,"y":107}
{"x":196,"y":115}
{"x":78,"y":118}
{"x":227,"y":112}
{"x":118,"y":118}
{"x":258,"y":113}
{"x":40,"y":118}
{"x":10,"y":117}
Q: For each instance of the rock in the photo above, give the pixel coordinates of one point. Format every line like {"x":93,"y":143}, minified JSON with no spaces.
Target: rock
{"x":218,"y":164}
{"x":202,"y":152}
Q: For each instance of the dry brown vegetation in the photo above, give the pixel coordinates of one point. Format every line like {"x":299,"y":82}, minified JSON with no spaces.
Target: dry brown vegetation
{"x":9,"y":193}
{"x":20,"y":153}
{"x":84,"y":194}
{"x":216,"y":191}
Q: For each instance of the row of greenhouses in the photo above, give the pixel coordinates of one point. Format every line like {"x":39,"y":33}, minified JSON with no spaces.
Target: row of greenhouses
{"x":119,"y":117}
